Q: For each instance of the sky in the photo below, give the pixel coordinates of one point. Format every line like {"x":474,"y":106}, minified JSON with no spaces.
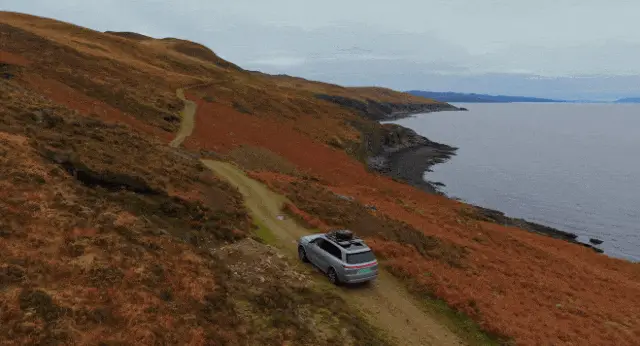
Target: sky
{"x":571,"y":49}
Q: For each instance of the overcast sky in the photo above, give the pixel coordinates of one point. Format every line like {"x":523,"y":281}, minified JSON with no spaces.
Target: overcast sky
{"x":552,"y":48}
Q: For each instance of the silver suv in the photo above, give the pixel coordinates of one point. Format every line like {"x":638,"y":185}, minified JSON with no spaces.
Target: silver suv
{"x":343,"y":257}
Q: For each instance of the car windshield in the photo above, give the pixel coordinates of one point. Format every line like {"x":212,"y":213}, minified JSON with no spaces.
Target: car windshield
{"x":360,"y":257}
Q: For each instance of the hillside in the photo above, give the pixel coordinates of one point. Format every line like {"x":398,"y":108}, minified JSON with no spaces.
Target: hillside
{"x":476,"y":98}
{"x":109,"y":234}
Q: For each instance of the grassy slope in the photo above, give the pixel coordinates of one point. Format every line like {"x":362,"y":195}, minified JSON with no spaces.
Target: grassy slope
{"x":531,"y":288}
{"x":106,"y":233}
{"x":386,"y":302}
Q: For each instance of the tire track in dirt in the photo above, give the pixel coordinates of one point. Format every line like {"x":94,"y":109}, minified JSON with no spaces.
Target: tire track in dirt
{"x":385,"y":303}
{"x":187,"y":119}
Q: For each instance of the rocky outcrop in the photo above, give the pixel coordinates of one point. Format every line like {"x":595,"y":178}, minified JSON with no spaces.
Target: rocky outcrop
{"x":6,"y":71}
{"x":391,"y":149}
{"x":380,"y":111}
{"x":404,"y":155}
{"x":92,"y":177}
{"x":499,"y":217}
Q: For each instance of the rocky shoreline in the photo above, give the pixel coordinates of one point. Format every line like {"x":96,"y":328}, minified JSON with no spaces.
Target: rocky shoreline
{"x":405,"y":156}
{"x":386,"y":111}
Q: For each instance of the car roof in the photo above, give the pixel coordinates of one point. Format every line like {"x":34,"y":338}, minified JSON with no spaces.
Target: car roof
{"x":351,"y":249}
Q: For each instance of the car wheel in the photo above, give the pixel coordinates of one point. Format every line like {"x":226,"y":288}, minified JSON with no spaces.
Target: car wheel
{"x":333,"y":276}
{"x":302,"y":255}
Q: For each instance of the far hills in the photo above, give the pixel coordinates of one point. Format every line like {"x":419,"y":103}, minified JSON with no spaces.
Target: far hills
{"x":628,"y":100}
{"x":449,"y":96}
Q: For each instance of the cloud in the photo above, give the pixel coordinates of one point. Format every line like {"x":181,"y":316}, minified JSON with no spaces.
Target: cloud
{"x":505,"y":46}
{"x":281,"y":61}
{"x":613,"y":57}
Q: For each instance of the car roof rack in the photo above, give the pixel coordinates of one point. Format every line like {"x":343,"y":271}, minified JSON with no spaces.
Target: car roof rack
{"x":344,"y":238}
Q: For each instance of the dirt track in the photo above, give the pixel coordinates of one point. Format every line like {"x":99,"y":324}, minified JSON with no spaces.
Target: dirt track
{"x":385,"y":303}
{"x":187,"y":122}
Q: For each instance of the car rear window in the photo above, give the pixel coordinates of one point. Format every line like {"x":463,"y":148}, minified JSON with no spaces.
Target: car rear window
{"x":360,"y":257}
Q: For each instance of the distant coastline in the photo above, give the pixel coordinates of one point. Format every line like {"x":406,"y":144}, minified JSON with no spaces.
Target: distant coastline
{"x":628,"y":100}
{"x":457,"y":97}
{"x":477,"y":98}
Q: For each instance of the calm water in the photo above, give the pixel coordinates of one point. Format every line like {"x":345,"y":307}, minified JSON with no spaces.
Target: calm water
{"x":575,"y":167}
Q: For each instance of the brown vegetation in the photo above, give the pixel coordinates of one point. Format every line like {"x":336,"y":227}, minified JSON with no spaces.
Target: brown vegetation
{"x":466,"y":264}
{"x":104,"y":229}
{"x":305,"y":219}
{"x":106,"y":236}
{"x":260,"y":159}
{"x":283,"y":303}
{"x":88,"y":217}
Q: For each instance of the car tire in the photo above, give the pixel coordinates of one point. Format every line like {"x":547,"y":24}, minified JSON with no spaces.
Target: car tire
{"x":302,"y":255}
{"x":333,"y":276}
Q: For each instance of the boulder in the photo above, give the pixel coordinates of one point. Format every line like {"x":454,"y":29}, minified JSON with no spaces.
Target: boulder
{"x":595,"y":241}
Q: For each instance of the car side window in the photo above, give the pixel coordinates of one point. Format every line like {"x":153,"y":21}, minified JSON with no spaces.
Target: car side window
{"x":331,"y":249}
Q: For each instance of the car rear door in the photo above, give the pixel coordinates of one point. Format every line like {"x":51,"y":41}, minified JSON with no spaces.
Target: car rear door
{"x":330,"y":257}
{"x":314,"y":251}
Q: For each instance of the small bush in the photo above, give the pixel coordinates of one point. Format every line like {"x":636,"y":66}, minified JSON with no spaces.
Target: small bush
{"x":303,"y":218}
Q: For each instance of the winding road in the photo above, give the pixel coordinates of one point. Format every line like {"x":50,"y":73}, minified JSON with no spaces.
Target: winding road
{"x":187,"y":119}
{"x":385,"y":303}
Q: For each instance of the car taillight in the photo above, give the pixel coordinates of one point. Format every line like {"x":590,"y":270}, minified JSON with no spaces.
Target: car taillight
{"x":359,"y":266}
